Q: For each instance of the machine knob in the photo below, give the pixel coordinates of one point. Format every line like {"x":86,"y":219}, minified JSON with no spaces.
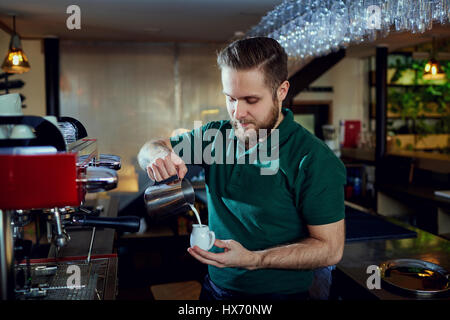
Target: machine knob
{"x":61,"y":240}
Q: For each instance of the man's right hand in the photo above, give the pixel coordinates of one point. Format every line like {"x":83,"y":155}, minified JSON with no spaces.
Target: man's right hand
{"x":157,"y":158}
{"x":164,"y":168}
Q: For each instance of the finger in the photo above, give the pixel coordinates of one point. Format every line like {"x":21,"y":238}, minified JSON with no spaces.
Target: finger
{"x":179,"y":165}
{"x":221,"y":244}
{"x":218,"y":257}
{"x":182,"y":170}
{"x":150,"y":173}
{"x":156,"y":172}
{"x":176,"y":159}
{"x":162,"y":169}
{"x":203,"y":260}
{"x":170,"y":167}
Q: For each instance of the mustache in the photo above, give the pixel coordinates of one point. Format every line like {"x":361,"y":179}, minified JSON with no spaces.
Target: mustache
{"x":235,"y":121}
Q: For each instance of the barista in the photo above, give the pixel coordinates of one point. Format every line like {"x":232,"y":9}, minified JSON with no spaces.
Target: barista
{"x":271,"y":229}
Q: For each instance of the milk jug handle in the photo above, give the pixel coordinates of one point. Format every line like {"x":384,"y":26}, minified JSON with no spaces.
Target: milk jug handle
{"x":212,"y":237}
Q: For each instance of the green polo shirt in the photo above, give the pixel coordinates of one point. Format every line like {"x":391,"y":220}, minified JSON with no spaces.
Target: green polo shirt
{"x":262,"y":211}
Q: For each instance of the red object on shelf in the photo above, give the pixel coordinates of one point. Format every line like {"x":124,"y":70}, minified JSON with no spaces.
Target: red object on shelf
{"x":348,"y":192}
{"x":39,"y":181}
{"x":352,"y":129}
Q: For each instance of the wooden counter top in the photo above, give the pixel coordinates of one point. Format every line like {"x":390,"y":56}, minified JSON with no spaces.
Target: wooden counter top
{"x":437,"y":162}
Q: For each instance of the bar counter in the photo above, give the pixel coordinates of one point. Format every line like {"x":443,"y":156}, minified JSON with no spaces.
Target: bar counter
{"x":351,"y":273}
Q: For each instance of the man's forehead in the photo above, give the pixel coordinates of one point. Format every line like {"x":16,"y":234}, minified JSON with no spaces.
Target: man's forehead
{"x":254,"y":73}
{"x":243,"y":83}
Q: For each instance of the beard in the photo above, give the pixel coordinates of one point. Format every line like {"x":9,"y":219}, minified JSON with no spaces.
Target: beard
{"x":253,"y":135}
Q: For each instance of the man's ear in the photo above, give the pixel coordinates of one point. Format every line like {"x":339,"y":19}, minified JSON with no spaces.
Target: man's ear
{"x":283,"y":90}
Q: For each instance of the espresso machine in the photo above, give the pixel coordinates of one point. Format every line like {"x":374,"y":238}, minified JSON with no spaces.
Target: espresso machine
{"x":47,"y":168}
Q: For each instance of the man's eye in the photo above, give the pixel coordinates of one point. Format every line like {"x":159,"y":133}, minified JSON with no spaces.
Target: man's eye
{"x":252,"y":101}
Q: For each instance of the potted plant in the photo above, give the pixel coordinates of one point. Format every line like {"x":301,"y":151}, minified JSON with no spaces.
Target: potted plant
{"x":422,"y":100}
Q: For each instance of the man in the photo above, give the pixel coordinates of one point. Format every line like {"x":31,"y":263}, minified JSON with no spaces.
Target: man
{"x":271,"y":229}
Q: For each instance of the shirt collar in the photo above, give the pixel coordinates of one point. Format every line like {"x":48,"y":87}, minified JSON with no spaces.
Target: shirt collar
{"x":287,"y":125}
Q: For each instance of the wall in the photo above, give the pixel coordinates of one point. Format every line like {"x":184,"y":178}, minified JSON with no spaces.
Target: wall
{"x":350,"y":90}
{"x":34,"y":88}
{"x":128,"y":93}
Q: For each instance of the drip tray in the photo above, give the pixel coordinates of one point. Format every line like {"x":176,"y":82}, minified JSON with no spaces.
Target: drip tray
{"x":49,"y":280}
{"x":415,"y":277}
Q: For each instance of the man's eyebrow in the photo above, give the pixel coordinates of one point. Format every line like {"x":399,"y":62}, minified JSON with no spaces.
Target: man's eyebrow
{"x":246,"y":97}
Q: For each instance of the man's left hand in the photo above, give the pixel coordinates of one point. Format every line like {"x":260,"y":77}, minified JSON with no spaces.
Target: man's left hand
{"x":234,"y":255}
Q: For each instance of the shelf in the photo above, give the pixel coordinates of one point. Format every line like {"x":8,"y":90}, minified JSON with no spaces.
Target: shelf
{"x":436,"y":162}
{"x":415,"y":194}
{"x":396,"y":116}
{"x":418,"y":142}
{"x":409,"y":85}
{"x":406,"y":80}
{"x":361,"y":203}
{"x":358,"y":154}
{"x":431,"y":116}
{"x":423,"y":115}
{"x":420,"y":155}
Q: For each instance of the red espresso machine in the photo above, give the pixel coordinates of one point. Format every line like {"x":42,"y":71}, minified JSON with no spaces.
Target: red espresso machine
{"x":48,"y":171}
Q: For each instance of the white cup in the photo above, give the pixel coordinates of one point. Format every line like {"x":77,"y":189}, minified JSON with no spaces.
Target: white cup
{"x":10,"y":105}
{"x":52,"y":119}
{"x":202,"y":237}
{"x":4,"y":132}
{"x":22,"y":131}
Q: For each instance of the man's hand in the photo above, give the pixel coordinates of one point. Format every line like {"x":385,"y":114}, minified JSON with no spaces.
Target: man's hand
{"x":235,"y":255}
{"x":157,"y":158}
{"x":164,"y":168}
{"x":323,"y":247}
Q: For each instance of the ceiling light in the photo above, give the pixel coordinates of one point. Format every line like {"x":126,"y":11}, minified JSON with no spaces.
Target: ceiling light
{"x":15,"y":61}
{"x":433,"y":69}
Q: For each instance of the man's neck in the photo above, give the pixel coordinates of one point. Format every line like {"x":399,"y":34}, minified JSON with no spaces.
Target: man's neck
{"x":261,"y":139}
{"x":280,"y":119}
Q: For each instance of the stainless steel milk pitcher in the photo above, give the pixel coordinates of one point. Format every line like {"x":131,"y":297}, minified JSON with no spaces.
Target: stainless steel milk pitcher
{"x":166,"y":200}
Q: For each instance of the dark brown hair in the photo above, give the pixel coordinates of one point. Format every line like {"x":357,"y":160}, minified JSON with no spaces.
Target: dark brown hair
{"x":259,"y":52}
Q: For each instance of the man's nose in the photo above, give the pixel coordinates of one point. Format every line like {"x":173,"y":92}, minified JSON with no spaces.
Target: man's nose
{"x":240,"y":111}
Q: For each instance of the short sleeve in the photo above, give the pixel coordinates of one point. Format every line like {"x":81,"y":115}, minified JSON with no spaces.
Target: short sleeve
{"x":320,"y":189}
{"x":189,"y":144}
